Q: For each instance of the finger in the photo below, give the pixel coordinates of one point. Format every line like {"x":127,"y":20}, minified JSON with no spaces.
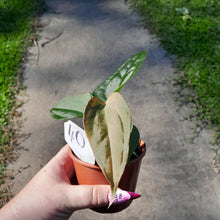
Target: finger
{"x":63,"y":153}
{"x":65,"y":161}
{"x":87,"y":196}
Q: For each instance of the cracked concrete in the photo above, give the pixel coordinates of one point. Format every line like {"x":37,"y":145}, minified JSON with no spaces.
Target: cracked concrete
{"x":176,"y":179}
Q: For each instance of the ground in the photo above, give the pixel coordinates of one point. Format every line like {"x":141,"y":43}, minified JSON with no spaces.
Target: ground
{"x":81,"y":44}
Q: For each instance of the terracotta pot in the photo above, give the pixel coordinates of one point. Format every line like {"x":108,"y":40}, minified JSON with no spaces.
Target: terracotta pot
{"x":88,"y":174}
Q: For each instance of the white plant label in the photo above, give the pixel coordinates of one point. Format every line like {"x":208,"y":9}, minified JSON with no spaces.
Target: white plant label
{"x":77,"y":140}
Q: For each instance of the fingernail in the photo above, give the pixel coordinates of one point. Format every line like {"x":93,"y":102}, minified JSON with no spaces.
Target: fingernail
{"x":123,"y":196}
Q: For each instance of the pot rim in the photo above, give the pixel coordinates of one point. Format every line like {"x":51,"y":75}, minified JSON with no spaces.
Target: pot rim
{"x":93,"y":166}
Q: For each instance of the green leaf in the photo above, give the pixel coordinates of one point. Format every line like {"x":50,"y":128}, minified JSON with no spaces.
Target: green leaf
{"x":71,"y":107}
{"x":183,"y":11}
{"x":118,"y":79}
{"x":186,"y":17}
{"x":134,"y":140}
{"x":108,"y":128}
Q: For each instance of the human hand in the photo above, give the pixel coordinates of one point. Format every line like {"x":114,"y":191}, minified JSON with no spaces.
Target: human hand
{"x":50,"y":195}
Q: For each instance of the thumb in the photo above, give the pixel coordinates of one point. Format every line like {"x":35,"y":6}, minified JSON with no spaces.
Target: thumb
{"x":87,"y":196}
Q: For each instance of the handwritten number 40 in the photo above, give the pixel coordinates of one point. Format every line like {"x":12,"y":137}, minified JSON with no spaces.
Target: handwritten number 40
{"x":76,"y":136}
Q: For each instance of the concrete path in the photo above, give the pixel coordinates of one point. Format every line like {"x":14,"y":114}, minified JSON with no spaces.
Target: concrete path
{"x":92,"y":39}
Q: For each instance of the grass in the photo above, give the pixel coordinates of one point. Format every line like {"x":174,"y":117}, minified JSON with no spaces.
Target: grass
{"x":190,"y":29}
{"x":16,"y":32}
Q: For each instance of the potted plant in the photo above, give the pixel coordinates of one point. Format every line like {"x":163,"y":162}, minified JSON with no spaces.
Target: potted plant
{"x":115,"y":141}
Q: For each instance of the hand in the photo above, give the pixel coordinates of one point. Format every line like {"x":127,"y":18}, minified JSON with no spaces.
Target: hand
{"x":50,"y":194}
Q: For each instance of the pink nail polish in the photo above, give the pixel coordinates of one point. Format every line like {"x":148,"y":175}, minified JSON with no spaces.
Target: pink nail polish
{"x":123,"y":196}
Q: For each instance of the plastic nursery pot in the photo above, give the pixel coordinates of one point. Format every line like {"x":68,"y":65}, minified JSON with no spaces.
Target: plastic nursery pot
{"x":89,"y":174}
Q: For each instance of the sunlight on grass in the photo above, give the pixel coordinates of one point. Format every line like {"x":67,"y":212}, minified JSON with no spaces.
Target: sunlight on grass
{"x":16,"y":28}
{"x":191,"y":31}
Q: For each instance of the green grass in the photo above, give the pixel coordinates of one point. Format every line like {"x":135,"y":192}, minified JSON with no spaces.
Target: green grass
{"x":16,"y":29}
{"x":190,"y":29}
